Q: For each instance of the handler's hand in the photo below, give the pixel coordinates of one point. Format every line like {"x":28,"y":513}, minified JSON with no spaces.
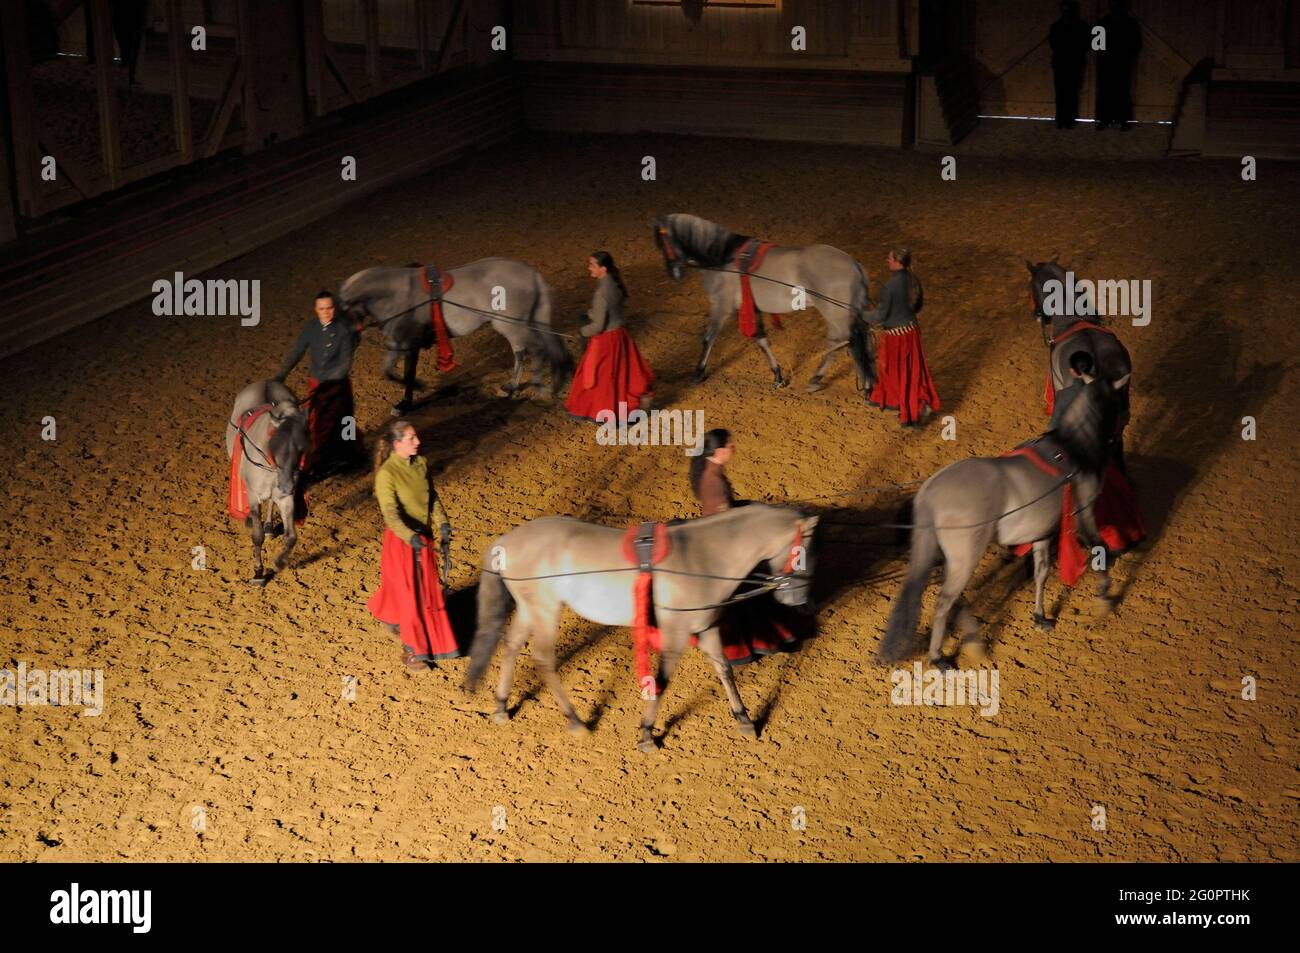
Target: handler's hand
{"x":417,"y":542}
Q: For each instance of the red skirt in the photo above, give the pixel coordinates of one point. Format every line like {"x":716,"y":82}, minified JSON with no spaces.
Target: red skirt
{"x":612,"y":371}
{"x":903,"y":379}
{"x":419,"y":611}
{"x":328,"y":403}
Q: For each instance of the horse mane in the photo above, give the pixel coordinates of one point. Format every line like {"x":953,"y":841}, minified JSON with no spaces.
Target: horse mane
{"x":1087,"y":427}
{"x":708,"y":243}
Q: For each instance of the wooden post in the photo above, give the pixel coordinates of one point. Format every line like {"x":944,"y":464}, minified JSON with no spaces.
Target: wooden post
{"x":422,"y":28}
{"x":252,"y":141}
{"x":109,"y":133}
{"x":370,"y":11}
{"x":18,"y":76}
{"x":313,"y":21}
{"x":177,"y":49}
{"x":457,"y":12}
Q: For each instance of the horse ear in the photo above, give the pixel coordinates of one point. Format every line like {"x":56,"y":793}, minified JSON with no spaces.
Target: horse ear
{"x":1121,"y":382}
{"x":1029,"y":266}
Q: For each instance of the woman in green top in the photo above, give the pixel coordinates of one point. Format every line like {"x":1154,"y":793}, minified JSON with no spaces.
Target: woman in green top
{"x":409,"y":598}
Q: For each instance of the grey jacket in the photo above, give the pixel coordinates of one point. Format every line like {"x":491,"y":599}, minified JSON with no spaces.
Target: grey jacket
{"x":606,"y":312}
{"x":895,"y":310}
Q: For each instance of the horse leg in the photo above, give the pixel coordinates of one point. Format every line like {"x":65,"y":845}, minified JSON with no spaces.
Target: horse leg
{"x":710,"y":643}
{"x":285,"y":506}
{"x":960,"y":559}
{"x":544,"y":656}
{"x":259,"y":536}
{"x":711,"y":332}
{"x":408,"y":381}
{"x":515,"y":640}
{"x":1042,"y":566}
{"x":391,"y":357}
{"x":1087,"y":526}
{"x":816,"y":384}
{"x":673,"y":645}
{"x":777,"y":377}
{"x":510,"y":389}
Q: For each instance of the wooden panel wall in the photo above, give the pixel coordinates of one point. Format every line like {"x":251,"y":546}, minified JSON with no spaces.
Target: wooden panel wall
{"x":873,"y":35}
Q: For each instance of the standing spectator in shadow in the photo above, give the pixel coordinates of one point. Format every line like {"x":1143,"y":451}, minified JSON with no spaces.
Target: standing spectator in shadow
{"x":1115,"y":67}
{"x":1069,"y":41}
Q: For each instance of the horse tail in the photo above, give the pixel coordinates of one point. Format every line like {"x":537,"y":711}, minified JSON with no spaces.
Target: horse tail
{"x":550,"y":344}
{"x":495,"y":604}
{"x":859,"y":342}
{"x":899,"y":640}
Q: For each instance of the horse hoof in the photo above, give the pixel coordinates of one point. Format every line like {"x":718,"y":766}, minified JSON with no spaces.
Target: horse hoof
{"x":1043,"y":622}
{"x":747,"y":729}
{"x":504,"y":392}
{"x":699,"y":377}
{"x":261,"y":579}
{"x":646,"y":745}
{"x":815,"y":385}
{"x":578,"y":727}
{"x":1106,"y":604}
{"x":781,"y":381}
{"x":500,"y":717}
{"x":943,"y":664}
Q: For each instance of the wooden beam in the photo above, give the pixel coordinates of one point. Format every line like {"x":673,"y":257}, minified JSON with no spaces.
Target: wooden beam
{"x":248,"y":60}
{"x":78,"y":176}
{"x":370,"y":13}
{"x":313,"y":19}
{"x":341,"y":76}
{"x":422,"y":31}
{"x":110,"y":139}
{"x":18,"y":78}
{"x":216,"y":130}
{"x":177,"y":49}
{"x":457,"y":14}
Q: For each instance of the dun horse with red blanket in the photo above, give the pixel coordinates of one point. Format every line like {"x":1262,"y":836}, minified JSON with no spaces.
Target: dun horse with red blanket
{"x":688,"y":575}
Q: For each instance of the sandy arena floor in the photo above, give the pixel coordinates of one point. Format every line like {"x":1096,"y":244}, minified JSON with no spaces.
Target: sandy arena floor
{"x":228,"y":698}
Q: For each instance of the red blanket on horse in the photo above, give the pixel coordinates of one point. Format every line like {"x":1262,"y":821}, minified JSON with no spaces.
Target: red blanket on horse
{"x":446,"y":357}
{"x":747,"y":261}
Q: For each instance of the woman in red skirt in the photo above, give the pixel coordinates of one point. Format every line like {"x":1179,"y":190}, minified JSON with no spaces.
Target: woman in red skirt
{"x":409,"y":599}
{"x":903,"y":381}
{"x":612,"y":371}
{"x":748,"y":628}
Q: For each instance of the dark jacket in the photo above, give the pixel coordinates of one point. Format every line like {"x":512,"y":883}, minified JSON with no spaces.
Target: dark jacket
{"x":331,"y":347}
{"x":895,"y":310}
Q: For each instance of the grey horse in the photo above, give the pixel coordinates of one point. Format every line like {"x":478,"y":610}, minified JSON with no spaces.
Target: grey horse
{"x":831,"y":280}
{"x":1064,"y":335}
{"x":549,"y":563}
{"x":1010,"y":500}
{"x":273,"y":445}
{"x":509,"y":295}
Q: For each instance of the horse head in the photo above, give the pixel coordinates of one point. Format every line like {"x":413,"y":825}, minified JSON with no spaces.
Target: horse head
{"x":289,"y":445}
{"x":670,"y":249}
{"x":791,"y":566}
{"x":1039,"y":275}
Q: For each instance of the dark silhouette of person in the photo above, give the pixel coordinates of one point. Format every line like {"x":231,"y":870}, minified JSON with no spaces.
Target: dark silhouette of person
{"x":1069,"y":41}
{"x":1115,"y":67}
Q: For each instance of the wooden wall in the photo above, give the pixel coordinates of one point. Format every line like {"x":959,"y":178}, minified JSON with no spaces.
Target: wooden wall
{"x":621,"y":66}
{"x":874,"y":35}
